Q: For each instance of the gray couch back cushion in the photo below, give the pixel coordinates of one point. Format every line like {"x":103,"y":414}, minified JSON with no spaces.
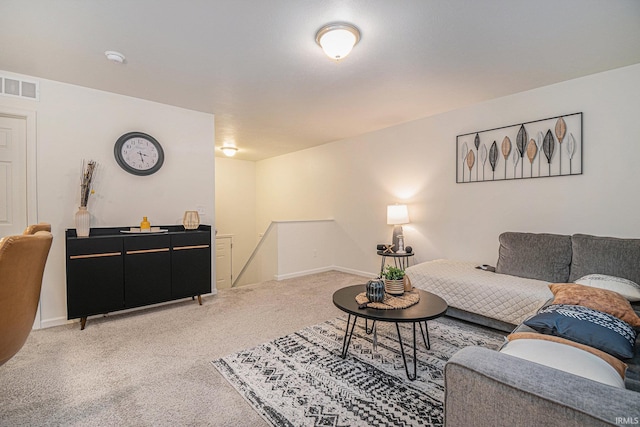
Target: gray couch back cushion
{"x":605,"y":255}
{"x":535,"y":256}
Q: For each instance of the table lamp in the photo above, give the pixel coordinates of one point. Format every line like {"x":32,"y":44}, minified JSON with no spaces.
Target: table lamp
{"x":396,"y":216}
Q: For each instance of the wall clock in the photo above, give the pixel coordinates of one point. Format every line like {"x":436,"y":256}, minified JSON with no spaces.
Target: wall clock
{"x":138,"y":153}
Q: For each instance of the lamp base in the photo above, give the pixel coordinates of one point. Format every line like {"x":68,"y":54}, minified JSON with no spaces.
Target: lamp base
{"x":398,"y":240}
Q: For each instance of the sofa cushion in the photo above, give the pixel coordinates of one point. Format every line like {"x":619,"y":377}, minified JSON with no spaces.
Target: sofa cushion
{"x":565,"y":358}
{"x":628,"y":289}
{"x":586,"y":326}
{"x":595,"y":298}
{"x":616,"y":363}
{"x":535,"y":256}
{"x":605,"y":255}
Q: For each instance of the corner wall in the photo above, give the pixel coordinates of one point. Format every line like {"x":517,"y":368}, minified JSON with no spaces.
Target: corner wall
{"x":76,"y":123}
{"x":236,"y":207}
{"x":353,"y":180}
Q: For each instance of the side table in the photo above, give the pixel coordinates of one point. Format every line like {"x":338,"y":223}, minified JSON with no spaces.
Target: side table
{"x":401,"y":260}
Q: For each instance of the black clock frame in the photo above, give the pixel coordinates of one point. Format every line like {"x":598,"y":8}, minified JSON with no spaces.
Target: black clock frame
{"x":117,"y":152}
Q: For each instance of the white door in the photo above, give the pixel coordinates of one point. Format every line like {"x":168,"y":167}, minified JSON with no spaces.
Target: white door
{"x":224,"y":277}
{"x":13,"y":175}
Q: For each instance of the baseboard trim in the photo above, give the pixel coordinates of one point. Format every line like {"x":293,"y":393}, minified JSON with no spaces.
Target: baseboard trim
{"x":303,"y":273}
{"x":356,"y":272}
{"x":324,"y":270}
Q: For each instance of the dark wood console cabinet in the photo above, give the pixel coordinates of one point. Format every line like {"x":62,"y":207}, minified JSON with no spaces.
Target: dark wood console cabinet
{"x":111,"y":270}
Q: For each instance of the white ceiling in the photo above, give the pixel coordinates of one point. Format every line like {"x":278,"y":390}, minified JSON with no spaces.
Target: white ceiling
{"x":256,"y":66}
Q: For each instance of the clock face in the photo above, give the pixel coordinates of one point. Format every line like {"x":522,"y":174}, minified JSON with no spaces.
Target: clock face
{"x":138,"y":153}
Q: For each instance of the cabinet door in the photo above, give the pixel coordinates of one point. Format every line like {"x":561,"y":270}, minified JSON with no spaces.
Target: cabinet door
{"x":190,"y":264}
{"x":147,"y":270}
{"x":94,"y":276}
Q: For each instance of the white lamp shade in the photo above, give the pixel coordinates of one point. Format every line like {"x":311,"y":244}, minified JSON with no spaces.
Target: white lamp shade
{"x":397,"y":214}
{"x":337,"y":40}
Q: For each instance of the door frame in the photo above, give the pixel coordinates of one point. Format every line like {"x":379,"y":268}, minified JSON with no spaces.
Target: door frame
{"x":31,"y":165}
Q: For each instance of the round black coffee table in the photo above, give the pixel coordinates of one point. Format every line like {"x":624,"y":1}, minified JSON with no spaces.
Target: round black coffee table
{"x":429,"y":307}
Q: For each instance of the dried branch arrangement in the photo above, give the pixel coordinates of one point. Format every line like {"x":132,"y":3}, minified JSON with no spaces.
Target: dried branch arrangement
{"x":88,"y":168}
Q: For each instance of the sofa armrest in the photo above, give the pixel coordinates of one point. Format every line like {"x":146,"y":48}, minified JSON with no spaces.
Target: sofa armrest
{"x":486,"y":388}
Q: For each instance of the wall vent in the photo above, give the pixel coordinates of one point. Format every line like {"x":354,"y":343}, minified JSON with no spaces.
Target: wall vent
{"x":17,"y":87}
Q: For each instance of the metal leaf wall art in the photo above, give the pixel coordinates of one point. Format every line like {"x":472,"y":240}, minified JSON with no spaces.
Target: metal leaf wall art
{"x":506,"y":150}
{"x":532,"y":151}
{"x":557,"y":142}
{"x":493,"y":159}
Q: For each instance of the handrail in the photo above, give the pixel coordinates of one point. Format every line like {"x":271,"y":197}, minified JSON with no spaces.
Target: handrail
{"x":253,"y":254}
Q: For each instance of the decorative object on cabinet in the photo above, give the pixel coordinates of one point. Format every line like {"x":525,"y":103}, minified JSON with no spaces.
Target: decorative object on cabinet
{"x":82,"y":217}
{"x":145,"y":225}
{"x":191,"y":220}
{"x":112,"y":270}
{"x":555,"y":135}
{"x":138,"y":153}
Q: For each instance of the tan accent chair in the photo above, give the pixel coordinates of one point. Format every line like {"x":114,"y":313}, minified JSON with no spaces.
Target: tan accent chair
{"x":34,"y":228}
{"x":22,"y":261}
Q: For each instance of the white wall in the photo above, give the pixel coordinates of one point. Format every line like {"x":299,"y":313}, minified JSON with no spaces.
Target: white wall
{"x":236,"y":207}
{"x":354,"y":179}
{"x":305,"y":247}
{"x":76,"y":123}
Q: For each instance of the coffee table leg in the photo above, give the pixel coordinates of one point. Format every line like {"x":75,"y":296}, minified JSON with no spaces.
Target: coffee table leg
{"x":366,"y":326}
{"x":404,"y":358}
{"x":347,"y":336}
{"x":427,"y":343}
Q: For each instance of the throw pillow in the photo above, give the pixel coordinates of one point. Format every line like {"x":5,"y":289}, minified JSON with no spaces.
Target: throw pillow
{"x":597,"y":299}
{"x":628,"y":289}
{"x":586,"y":326}
{"x":617,"y":364}
{"x":565,"y":358}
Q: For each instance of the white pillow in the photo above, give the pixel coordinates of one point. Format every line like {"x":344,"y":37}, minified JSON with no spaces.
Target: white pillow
{"x":565,"y":358}
{"x":628,"y":289}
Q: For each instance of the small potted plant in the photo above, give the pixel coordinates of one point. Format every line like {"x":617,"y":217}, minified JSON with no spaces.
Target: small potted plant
{"x":393,"y":280}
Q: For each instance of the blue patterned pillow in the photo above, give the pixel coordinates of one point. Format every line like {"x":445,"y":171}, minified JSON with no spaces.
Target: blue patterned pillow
{"x":586,"y":326}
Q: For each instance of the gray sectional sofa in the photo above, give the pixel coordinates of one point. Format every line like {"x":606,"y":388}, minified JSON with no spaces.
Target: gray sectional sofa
{"x":489,"y":388}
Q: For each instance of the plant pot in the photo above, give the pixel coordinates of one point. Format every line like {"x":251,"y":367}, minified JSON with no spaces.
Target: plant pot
{"x":394,"y":287}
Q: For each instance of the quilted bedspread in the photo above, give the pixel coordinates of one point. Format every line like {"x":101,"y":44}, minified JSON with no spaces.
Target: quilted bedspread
{"x":507,"y":298}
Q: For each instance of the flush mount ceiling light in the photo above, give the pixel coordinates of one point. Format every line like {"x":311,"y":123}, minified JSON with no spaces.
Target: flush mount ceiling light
{"x":337,"y":39}
{"x":229,"y":151}
{"x":114,"y":56}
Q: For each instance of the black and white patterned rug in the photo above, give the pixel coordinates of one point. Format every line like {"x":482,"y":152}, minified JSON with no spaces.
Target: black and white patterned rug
{"x":301,"y":380}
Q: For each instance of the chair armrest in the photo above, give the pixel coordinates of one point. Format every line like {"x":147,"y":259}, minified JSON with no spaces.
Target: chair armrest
{"x":487,"y":388}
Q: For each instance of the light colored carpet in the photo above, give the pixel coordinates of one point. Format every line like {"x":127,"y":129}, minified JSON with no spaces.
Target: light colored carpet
{"x":153,"y":366}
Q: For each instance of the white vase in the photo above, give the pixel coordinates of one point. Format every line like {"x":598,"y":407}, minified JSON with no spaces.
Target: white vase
{"x":83,"y":222}
{"x":191,"y":220}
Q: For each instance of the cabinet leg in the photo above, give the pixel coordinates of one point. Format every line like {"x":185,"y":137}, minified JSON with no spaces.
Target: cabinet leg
{"x":200,"y":299}
{"x":83,"y":322}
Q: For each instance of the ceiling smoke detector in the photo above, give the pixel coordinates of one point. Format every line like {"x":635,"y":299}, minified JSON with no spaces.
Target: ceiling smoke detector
{"x":114,"y":56}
